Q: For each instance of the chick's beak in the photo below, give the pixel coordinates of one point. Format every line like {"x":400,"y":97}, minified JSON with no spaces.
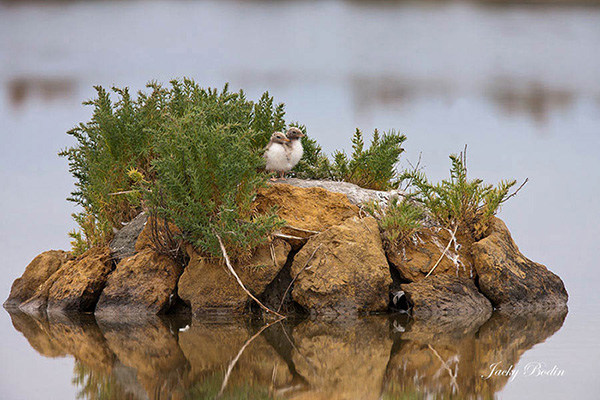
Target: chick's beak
{"x":286,"y":139}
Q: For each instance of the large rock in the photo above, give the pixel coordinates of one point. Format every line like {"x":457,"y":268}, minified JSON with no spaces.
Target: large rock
{"x":313,"y":209}
{"x":145,"y":283}
{"x":446,"y":295}
{"x":123,"y":244}
{"x":354,"y":193}
{"x":348,"y":272}
{"x":79,"y":284}
{"x":36,"y":273}
{"x":417,"y":258}
{"x":209,"y":287}
{"x":509,"y":279}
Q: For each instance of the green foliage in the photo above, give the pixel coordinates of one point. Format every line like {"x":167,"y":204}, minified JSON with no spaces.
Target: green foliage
{"x":118,"y":138}
{"x":208,"y":174}
{"x":460,"y":203}
{"x":372,"y":168}
{"x":399,"y":221}
{"x":190,"y":154}
{"x":314,"y":163}
{"x":210,"y":386}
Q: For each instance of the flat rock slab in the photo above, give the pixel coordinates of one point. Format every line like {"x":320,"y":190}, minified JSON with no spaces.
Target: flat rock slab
{"x":509,"y":279}
{"x":145,"y":283}
{"x":445,"y":295}
{"x":123,"y":244}
{"x":355,"y":194}
{"x":348,"y":272}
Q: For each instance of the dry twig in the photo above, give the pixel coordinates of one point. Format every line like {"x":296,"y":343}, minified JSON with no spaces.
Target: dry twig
{"x":453,"y":238}
{"x":239,"y":281}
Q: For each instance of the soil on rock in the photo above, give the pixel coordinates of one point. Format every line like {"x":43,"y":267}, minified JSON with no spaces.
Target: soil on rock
{"x":313,"y":209}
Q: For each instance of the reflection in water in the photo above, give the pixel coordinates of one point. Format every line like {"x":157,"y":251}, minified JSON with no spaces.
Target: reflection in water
{"x":368,"y":358}
{"x":24,"y":89}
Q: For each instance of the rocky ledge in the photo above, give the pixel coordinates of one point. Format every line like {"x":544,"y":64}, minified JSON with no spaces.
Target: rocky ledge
{"x":328,"y":260}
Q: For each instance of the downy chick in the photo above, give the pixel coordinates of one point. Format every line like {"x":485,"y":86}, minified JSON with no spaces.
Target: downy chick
{"x":278,"y":155}
{"x":295,"y":145}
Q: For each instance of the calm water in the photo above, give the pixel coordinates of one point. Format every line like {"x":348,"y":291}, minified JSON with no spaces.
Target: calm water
{"x":368,"y":358}
{"x":520,"y":84}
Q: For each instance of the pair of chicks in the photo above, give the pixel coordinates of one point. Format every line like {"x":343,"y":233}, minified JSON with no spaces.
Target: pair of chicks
{"x":284,"y":151}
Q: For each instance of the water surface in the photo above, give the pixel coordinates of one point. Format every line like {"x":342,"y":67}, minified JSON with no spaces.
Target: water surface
{"x":378,"y":357}
{"x":518,"y":83}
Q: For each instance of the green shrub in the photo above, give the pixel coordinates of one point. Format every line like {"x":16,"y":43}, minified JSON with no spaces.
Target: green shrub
{"x":207,"y":173}
{"x":399,"y":220}
{"x":371,"y":168}
{"x":118,"y":138}
{"x":460,"y":203}
{"x":190,"y":154}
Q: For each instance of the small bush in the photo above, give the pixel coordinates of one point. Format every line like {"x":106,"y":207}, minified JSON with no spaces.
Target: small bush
{"x":459,"y":203}
{"x":399,"y":221}
{"x":191,"y":155}
{"x":207,"y":170}
{"x":371,"y":168}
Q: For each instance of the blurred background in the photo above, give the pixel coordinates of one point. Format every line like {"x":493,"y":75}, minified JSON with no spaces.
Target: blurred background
{"x":518,"y":82}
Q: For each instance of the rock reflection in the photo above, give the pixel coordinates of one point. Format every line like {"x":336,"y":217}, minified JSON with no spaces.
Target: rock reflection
{"x":343,"y":359}
{"x":448,"y":361}
{"x":367,"y":358}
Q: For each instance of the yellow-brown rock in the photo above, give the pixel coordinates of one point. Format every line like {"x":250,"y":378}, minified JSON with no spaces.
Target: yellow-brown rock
{"x":209,"y":287}
{"x":314,"y":209}
{"x":36,"y":273}
{"x":79,"y":284}
{"x":348,"y":272}
{"x":414,"y":260}
{"x":144,"y":283}
{"x":509,"y":279}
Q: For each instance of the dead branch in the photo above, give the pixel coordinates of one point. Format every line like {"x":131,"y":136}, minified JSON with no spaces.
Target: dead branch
{"x":453,"y":238}
{"x":123,"y":192}
{"x":239,"y":281}
{"x":284,"y":236}
{"x":513,"y":194}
